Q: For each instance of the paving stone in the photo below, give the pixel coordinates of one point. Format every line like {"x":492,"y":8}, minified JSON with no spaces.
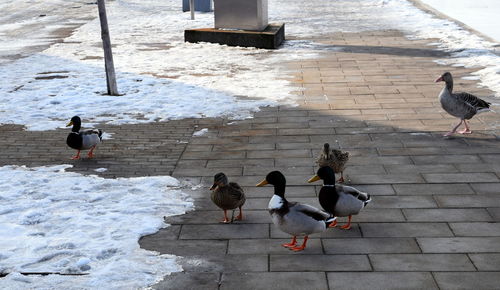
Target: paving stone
{"x":224,"y":263}
{"x":405,"y":230}
{"x":278,"y":280}
{"x":421,"y":262}
{"x":334,"y":233}
{"x":403,"y":201}
{"x":447,"y":215}
{"x":215,"y":216}
{"x":467,"y":280}
{"x":313,"y":263}
{"x":272,"y":246}
{"x":460,"y":177}
{"x":224,"y":231}
{"x":486,"y":188}
{"x":469,"y":229}
{"x":191,"y":281}
{"x":460,"y":245}
{"x":482,"y":200}
{"x":422,"y":189}
{"x":370,"y":245}
{"x":368,"y":215}
{"x":185,"y":247}
{"x":441,"y":159}
{"x":380,"y":280}
{"x":411,"y":168}
{"x":377,"y":189}
{"x":386,"y":178}
{"x":486,"y":262}
{"x":171,"y":232}
{"x":494,"y":212}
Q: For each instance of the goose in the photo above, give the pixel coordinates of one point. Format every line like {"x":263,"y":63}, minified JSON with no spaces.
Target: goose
{"x":82,"y":140}
{"x":292,"y":217}
{"x":339,"y":200}
{"x":227,"y":196}
{"x":461,"y":105}
{"x":334,"y":158}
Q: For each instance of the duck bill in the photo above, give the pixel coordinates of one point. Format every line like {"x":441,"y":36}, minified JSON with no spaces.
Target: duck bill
{"x":262,"y":183}
{"x":313,"y":179}
{"x":69,"y":124}
{"x":439,"y":79}
{"x":213,"y":186}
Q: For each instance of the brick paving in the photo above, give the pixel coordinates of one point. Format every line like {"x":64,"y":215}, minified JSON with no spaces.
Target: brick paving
{"x":434,"y":222}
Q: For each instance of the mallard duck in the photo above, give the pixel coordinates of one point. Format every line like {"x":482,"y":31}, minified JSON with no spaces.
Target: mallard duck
{"x":82,"y":140}
{"x":292,"y":217}
{"x":461,"y":105}
{"x":227,"y":196}
{"x":335,"y":158}
{"x":339,"y":200}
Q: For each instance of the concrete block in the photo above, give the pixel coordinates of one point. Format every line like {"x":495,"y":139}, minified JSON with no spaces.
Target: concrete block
{"x":380,"y":280}
{"x":405,"y":230}
{"x":460,"y":245}
{"x":370,"y":245}
{"x":467,"y":280}
{"x":421,"y":262}
{"x":274,"y":280}
{"x":323,"y":263}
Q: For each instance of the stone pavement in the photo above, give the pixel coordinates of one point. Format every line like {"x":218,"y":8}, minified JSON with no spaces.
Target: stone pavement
{"x":434,"y":219}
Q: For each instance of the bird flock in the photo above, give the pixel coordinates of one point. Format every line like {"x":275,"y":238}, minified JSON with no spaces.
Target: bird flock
{"x":336,"y":199}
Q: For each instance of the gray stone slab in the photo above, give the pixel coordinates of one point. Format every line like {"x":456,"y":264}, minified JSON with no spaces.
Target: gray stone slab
{"x":171,"y":232}
{"x":185,"y":247}
{"x":331,"y":233}
{"x":274,"y":280}
{"x":469,"y":280}
{"x":411,"y":168}
{"x":381,"y":280}
{"x":460,"y":177}
{"x":272,"y":246}
{"x":291,"y":191}
{"x":447,"y":215}
{"x":460,"y":245}
{"x":377,"y":189}
{"x":403,"y":201}
{"x":442,"y":159}
{"x":313,"y":263}
{"x":491,"y":229}
{"x":494,"y":212}
{"x":405,"y":230}
{"x":386,"y":178}
{"x":224,"y":231}
{"x":189,"y":281}
{"x":482,"y":200}
{"x":376,"y":215}
{"x":438,"y":188}
{"x":421,"y":262}
{"x":486,"y":188}
{"x":370,"y":245}
{"x":486,"y":262}
{"x":215,"y":216}
{"x":224,"y":263}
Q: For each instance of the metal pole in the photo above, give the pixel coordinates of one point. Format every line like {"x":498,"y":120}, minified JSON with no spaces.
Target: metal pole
{"x":191,"y":8}
{"x":108,"y":55}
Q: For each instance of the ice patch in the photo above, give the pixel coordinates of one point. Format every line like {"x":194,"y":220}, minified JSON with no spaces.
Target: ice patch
{"x":200,"y":132}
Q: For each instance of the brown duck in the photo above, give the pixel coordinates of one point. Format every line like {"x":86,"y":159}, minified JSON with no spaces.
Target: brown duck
{"x":227,"y":196}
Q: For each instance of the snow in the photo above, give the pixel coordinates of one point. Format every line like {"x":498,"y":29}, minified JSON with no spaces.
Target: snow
{"x":64,"y":222}
{"x":200,"y":132}
{"x":482,"y":15}
{"x":164,"y":78}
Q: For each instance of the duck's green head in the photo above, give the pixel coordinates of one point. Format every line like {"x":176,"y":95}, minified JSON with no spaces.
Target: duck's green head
{"x":76,"y":122}
{"x":326,"y":174}
{"x":220,"y":179}
{"x":277,"y":179}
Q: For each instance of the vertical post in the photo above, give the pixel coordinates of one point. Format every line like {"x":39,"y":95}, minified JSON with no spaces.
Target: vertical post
{"x":108,"y":55}
{"x":191,"y":8}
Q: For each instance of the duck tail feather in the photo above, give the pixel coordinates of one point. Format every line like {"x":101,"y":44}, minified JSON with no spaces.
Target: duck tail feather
{"x":368,"y":200}
{"x":330,"y":220}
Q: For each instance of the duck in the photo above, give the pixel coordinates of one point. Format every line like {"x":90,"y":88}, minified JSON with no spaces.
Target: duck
{"x":227,"y":196}
{"x":334,"y":158}
{"x":294,"y":218}
{"x":82,"y":140}
{"x":339,"y":200}
{"x":461,"y":105}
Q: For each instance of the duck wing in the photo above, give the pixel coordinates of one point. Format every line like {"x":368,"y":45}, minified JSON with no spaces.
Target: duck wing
{"x":90,"y":138}
{"x":362,"y":196}
{"x":311,"y":211}
{"x":236,"y":191}
{"x":472,"y":101}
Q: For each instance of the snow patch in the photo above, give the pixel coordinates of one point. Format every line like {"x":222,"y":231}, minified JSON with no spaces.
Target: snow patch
{"x":64,"y":222}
